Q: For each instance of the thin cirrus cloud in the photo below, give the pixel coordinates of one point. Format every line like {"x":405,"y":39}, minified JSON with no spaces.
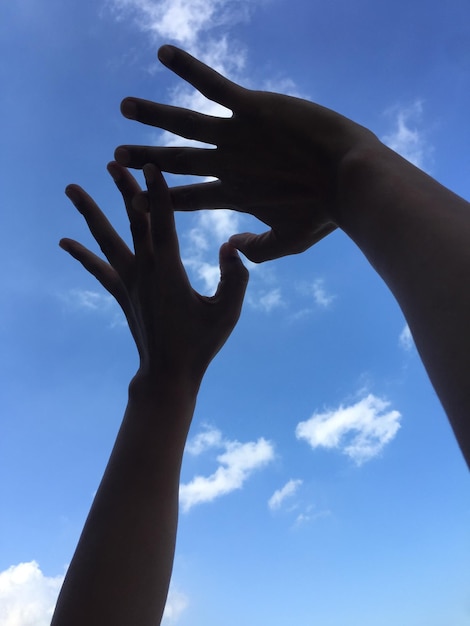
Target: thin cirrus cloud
{"x":360,"y":430}
{"x":89,"y":300}
{"x":280,"y":495}
{"x":406,"y":339}
{"x":236,"y":464}
{"x":407,"y":138}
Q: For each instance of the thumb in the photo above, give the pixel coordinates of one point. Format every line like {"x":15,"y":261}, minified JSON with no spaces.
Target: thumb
{"x":233,"y":283}
{"x":258,"y":248}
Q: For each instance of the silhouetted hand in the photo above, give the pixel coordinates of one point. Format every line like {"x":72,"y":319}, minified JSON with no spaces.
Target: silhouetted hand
{"x":177,"y":331}
{"x":278,"y":158}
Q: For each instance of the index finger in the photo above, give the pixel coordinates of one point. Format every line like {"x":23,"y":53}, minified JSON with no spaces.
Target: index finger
{"x":206,"y":80}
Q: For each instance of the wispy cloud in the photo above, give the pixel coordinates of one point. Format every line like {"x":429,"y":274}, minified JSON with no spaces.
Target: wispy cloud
{"x":210,"y":230}
{"x":266,"y":300}
{"x":89,"y":300}
{"x":359,"y":431}
{"x":204,"y":441}
{"x":27,"y":596}
{"x":94,"y":302}
{"x":310,"y":515}
{"x":181,"y":21}
{"x":235,"y":465}
{"x":407,"y":138}
{"x":320,"y":295}
{"x":280,"y":495}
{"x":176,"y":604}
{"x":406,"y":339}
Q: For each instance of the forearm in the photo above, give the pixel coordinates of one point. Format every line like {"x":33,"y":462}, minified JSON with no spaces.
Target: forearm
{"x":416,"y":234}
{"x":122,"y":565}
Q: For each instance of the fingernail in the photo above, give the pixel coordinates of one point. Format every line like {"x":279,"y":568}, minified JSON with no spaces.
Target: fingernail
{"x":129,"y":108}
{"x":122,"y":156}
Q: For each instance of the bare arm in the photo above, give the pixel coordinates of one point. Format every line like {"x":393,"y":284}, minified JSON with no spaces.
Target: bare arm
{"x":121,"y":568}
{"x":304,"y":170}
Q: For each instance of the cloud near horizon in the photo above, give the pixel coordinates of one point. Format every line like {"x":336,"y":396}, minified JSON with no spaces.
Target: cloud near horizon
{"x":28,"y":597}
{"x":360,"y":431}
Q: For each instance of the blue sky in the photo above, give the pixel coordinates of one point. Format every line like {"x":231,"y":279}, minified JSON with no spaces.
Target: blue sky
{"x":321,"y":483}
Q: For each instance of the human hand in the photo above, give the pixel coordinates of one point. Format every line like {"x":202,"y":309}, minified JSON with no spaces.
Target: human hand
{"x":278,"y":158}
{"x":177,"y":331}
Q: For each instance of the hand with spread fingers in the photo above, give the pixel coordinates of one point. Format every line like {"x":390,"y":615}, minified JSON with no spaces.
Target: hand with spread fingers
{"x":278,"y":158}
{"x":176,"y":330}
{"x":122,"y":565}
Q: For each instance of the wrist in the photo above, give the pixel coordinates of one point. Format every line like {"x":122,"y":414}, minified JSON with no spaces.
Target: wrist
{"x":357,"y":174}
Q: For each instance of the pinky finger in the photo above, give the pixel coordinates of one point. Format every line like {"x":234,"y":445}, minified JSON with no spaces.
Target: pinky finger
{"x":102,"y":271}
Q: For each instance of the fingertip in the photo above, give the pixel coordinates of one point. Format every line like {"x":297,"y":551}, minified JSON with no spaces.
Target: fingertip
{"x":73,"y":193}
{"x":150,"y":173}
{"x":122,"y":156}
{"x":166,"y":54}
{"x":129,"y":108}
{"x":115,"y":170}
{"x":65,"y":244}
{"x":230,"y":259}
{"x":228,"y":251}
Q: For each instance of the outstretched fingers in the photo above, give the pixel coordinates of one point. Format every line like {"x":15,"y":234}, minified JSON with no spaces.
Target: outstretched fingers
{"x":111,"y":244}
{"x":195,"y":161}
{"x":206,"y":80}
{"x":102,"y":271}
{"x":183,"y":122}
{"x":139,"y":221}
{"x":162,"y":221}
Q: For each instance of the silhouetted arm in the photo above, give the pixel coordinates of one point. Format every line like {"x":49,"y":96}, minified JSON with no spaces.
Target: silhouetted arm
{"x":121,"y":569}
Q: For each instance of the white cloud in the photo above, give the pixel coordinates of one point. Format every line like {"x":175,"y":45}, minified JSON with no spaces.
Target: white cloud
{"x":90,"y":300}
{"x":181,"y":21}
{"x":176,"y":604}
{"x":221,"y":223}
{"x":359,"y":431}
{"x":236,"y":464}
{"x":27,"y":596}
{"x":317,"y":290}
{"x":406,"y":339}
{"x":406,"y":138}
{"x":267,"y":300}
{"x":204,"y":272}
{"x":278,"y":497}
{"x":211,"y":230}
{"x":321,"y":297}
{"x":207,"y":439}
